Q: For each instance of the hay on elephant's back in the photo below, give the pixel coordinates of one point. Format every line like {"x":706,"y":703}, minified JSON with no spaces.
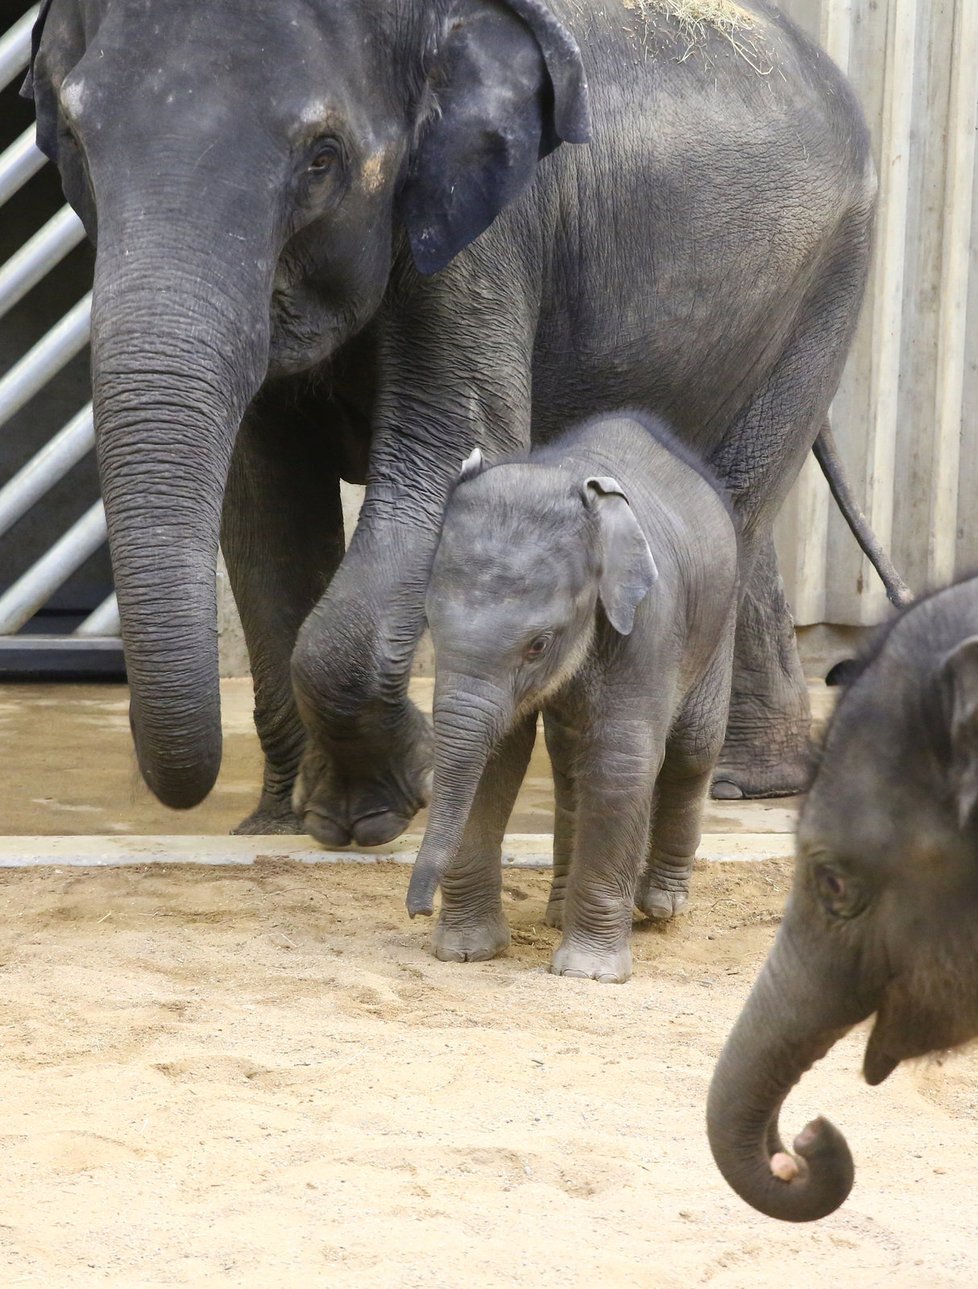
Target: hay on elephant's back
{"x":694,"y":17}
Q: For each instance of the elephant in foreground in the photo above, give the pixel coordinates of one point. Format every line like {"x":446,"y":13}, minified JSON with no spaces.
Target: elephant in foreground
{"x":354,"y":241}
{"x":883,"y":912}
{"x":595,"y":578}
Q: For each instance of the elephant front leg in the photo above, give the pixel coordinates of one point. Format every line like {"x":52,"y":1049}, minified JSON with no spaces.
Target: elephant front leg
{"x":767,"y":749}
{"x":282,"y":536}
{"x":367,"y":770}
{"x":471,"y":926}
{"x":611,"y":838}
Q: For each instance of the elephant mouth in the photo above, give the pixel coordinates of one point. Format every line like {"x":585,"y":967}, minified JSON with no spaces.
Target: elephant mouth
{"x":906,"y":1029}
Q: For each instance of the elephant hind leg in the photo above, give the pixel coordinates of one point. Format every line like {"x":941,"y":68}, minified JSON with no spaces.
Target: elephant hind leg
{"x":767,"y":752}
{"x":681,"y":789}
{"x":767,"y":748}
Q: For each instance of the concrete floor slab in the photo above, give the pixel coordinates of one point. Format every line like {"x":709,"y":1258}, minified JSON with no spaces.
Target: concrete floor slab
{"x":69,"y":770}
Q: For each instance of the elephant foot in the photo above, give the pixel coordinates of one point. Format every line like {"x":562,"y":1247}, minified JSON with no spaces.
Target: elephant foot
{"x":743,"y":776}
{"x":474,"y":942}
{"x":554,"y":916}
{"x":609,"y":966}
{"x":365,"y":793}
{"x":662,"y":905}
{"x":664,"y":888}
{"x":269,"y":820}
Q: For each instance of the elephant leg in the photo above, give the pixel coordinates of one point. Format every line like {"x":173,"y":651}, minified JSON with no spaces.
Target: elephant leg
{"x":282,"y":536}
{"x":561,"y":741}
{"x":766,"y":753}
{"x":471,"y":926}
{"x":611,"y":829}
{"x":368,"y":767}
{"x":767,"y":750}
{"x":681,"y":790}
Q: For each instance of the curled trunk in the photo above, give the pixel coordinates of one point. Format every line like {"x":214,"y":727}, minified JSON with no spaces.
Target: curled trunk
{"x":469,"y":717}
{"x":791,"y":1019}
{"x":177,"y":357}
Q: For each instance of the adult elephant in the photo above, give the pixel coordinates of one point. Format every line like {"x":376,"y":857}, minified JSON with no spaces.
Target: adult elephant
{"x":339,"y":240}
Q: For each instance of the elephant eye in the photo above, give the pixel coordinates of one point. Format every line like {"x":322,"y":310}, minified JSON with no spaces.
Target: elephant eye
{"x":537,"y":647}
{"x":840,"y":894}
{"x":323,"y":159}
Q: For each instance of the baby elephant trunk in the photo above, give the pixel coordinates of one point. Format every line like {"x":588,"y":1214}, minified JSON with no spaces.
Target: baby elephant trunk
{"x":470,"y":715}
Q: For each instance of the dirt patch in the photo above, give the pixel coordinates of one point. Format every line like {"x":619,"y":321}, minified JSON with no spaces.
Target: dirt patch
{"x":260,"y":1077}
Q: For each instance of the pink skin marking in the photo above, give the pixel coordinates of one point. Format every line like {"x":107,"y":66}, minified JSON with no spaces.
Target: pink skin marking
{"x":784,"y":1166}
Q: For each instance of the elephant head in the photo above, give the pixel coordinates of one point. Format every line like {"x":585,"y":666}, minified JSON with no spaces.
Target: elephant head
{"x":250,"y":173}
{"x":883,"y":915}
{"x":527,"y":554}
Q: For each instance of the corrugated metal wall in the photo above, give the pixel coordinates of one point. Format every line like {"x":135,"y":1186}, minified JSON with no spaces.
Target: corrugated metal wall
{"x":907,"y":413}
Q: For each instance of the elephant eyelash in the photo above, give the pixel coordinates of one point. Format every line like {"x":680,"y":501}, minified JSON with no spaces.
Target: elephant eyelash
{"x":840,"y":895}
{"x":538,"y":646}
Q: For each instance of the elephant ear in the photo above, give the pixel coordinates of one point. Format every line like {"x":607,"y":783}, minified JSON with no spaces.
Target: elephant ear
{"x":959,"y":676}
{"x":628,"y":571}
{"x":508,"y":87}
{"x":45,"y":102}
{"x":57,"y":44}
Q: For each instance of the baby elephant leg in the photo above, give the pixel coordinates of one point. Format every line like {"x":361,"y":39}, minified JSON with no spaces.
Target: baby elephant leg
{"x":471,"y":926}
{"x":561,"y":744}
{"x":681,"y":791}
{"x":611,"y":831}
{"x":677,"y":820}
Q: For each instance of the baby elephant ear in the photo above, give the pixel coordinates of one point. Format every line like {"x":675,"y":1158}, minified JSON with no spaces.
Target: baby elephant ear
{"x":473,"y":464}
{"x":628,"y":570}
{"x":959,"y":675}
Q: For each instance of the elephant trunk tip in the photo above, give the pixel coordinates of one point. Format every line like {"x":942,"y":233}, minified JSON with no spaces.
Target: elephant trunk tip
{"x":822,"y":1166}
{"x":421,"y":892}
{"x":804,"y":1186}
{"x":181,"y":791}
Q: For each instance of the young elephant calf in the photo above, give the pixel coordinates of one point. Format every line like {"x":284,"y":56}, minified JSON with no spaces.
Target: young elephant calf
{"x":595,"y":578}
{"x":883,"y":913}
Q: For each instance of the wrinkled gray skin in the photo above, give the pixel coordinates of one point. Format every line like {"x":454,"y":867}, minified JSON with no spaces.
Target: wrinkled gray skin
{"x":597,"y":580}
{"x":299,"y":279}
{"x":883,"y":914}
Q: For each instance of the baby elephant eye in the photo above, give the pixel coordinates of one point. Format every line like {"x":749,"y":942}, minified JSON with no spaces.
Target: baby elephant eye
{"x":840,"y":895}
{"x":536,"y":648}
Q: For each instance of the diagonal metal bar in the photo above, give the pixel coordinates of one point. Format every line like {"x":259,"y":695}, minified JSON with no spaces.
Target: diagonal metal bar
{"x":65,"y":339}
{"x":18,"y":163}
{"x":44,"y":470}
{"x":103,"y":621}
{"x":22,"y":600}
{"x":15,"y":46}
{"x":47,"y":247}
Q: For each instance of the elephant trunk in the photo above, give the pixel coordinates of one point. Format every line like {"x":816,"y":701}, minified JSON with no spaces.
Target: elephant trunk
{"x":791,"y":1019}
{"x":177,"y":354}
{"x":470,"y":715}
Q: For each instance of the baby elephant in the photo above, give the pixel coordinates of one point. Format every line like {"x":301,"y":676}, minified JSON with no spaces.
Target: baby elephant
{"x":883,"y":914}
{"x":595,"y":578}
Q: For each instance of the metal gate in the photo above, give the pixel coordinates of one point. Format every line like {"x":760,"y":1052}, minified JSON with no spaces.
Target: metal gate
{"x":94,"y":646}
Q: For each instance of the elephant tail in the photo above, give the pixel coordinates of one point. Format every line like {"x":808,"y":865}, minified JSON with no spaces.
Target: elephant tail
{"x":827,"y":456}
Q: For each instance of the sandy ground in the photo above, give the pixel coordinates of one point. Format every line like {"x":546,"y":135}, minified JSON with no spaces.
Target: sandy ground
{"x":259,"y":1077}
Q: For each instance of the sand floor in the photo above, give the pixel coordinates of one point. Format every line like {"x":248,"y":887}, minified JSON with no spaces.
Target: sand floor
{"x":258,"y":1077}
